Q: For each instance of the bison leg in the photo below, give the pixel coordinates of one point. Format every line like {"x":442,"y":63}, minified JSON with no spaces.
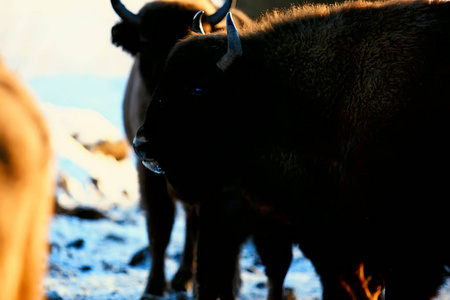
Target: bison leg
{"x":276,"y":254}
{"x":332,"y":264}
{"x":333,"y":287}
{"x":414,"y":280}
{"x":160,"y":210}
{"x":184,"y":274}
{"x":349,"y":280}
{"x":223,"y":228}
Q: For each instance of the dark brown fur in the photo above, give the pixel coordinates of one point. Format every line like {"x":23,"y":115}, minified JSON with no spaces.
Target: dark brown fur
{"x":255,"y":8}
{"x":331,"y":130}
{"x":26,"y":191}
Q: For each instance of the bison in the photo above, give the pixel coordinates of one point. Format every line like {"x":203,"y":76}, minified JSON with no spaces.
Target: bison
{"x":26,"y":191}
{"x":149,"y":36}
{"x":326,"y":124}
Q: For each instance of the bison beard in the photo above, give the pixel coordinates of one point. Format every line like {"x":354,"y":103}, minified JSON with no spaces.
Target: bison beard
{"x":328,"y":131}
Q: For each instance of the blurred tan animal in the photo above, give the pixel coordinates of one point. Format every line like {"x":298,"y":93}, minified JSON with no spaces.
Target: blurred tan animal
{"x":26,"y":191}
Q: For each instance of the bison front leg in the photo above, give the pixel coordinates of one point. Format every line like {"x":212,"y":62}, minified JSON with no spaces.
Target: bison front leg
{"x":275,"y":251}
{"x":184,"y":274}
{"x":419,"y":280}
{"x":344,"y":278}
{"x":160,"y":210}
{"x":224,"y":224}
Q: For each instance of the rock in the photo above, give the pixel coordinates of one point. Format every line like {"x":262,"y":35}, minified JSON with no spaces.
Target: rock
{"x":115,"y":238}
{"x":117,"y":149}
{"x":53,"y":295}
{"x":77,"y":244}
{"x":140,"y":257}
{"x":85,"y":268}
{"x":81,"y":212}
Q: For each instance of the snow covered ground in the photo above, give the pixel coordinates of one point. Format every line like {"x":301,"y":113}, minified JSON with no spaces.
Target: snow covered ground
{"x":62,"y":50}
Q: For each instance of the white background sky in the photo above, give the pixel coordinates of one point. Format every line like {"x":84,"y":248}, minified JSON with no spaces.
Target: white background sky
{"x":42,"y":37}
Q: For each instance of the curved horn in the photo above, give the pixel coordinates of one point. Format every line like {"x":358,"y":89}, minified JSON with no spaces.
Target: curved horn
{"x":124,"y":13}
{"x":218,"y":16}
{"x":197,"y":26}
{"x":234,"y":45}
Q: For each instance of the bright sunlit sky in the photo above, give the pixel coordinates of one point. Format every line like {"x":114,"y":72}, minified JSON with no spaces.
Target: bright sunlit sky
{"x":62,"y":50}
{"x":50,"y":37}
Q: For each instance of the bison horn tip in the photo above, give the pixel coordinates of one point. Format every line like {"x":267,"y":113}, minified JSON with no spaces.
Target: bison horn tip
{"x":124,"y":13}
{"x":234,"y":45}
{"x":197,"y":26}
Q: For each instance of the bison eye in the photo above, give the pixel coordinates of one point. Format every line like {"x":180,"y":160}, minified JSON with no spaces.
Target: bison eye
{"x":197,"y":92}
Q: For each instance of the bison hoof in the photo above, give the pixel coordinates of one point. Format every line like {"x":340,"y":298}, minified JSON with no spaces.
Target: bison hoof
{"x":181,"y":281}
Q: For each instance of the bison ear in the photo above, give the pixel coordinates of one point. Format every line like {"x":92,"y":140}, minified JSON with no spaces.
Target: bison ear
{"x":234,"y":45}
{"x":126,"y":35}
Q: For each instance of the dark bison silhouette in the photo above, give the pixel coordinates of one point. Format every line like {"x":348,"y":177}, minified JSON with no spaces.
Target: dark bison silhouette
{"x":324,"y":124}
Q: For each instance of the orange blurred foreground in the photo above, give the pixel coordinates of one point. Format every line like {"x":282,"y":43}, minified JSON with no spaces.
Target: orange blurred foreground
{"x":26,"y":191}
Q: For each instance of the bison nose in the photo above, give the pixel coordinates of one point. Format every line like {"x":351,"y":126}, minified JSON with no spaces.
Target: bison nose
{"x":140,"y":145}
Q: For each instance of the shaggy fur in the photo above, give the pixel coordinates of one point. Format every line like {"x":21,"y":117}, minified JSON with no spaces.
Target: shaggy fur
{"x":26,"y":191}
{"x":255,"y":8}
{"x":330,"y":130}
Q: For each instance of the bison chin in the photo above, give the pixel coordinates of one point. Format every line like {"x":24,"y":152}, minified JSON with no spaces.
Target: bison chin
{"x":153,"y":166}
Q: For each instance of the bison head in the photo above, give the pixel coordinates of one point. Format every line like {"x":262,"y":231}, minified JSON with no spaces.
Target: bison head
{"x":152,"y":32}
{"x":202,"y":117}
{"x":160,"y":24}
